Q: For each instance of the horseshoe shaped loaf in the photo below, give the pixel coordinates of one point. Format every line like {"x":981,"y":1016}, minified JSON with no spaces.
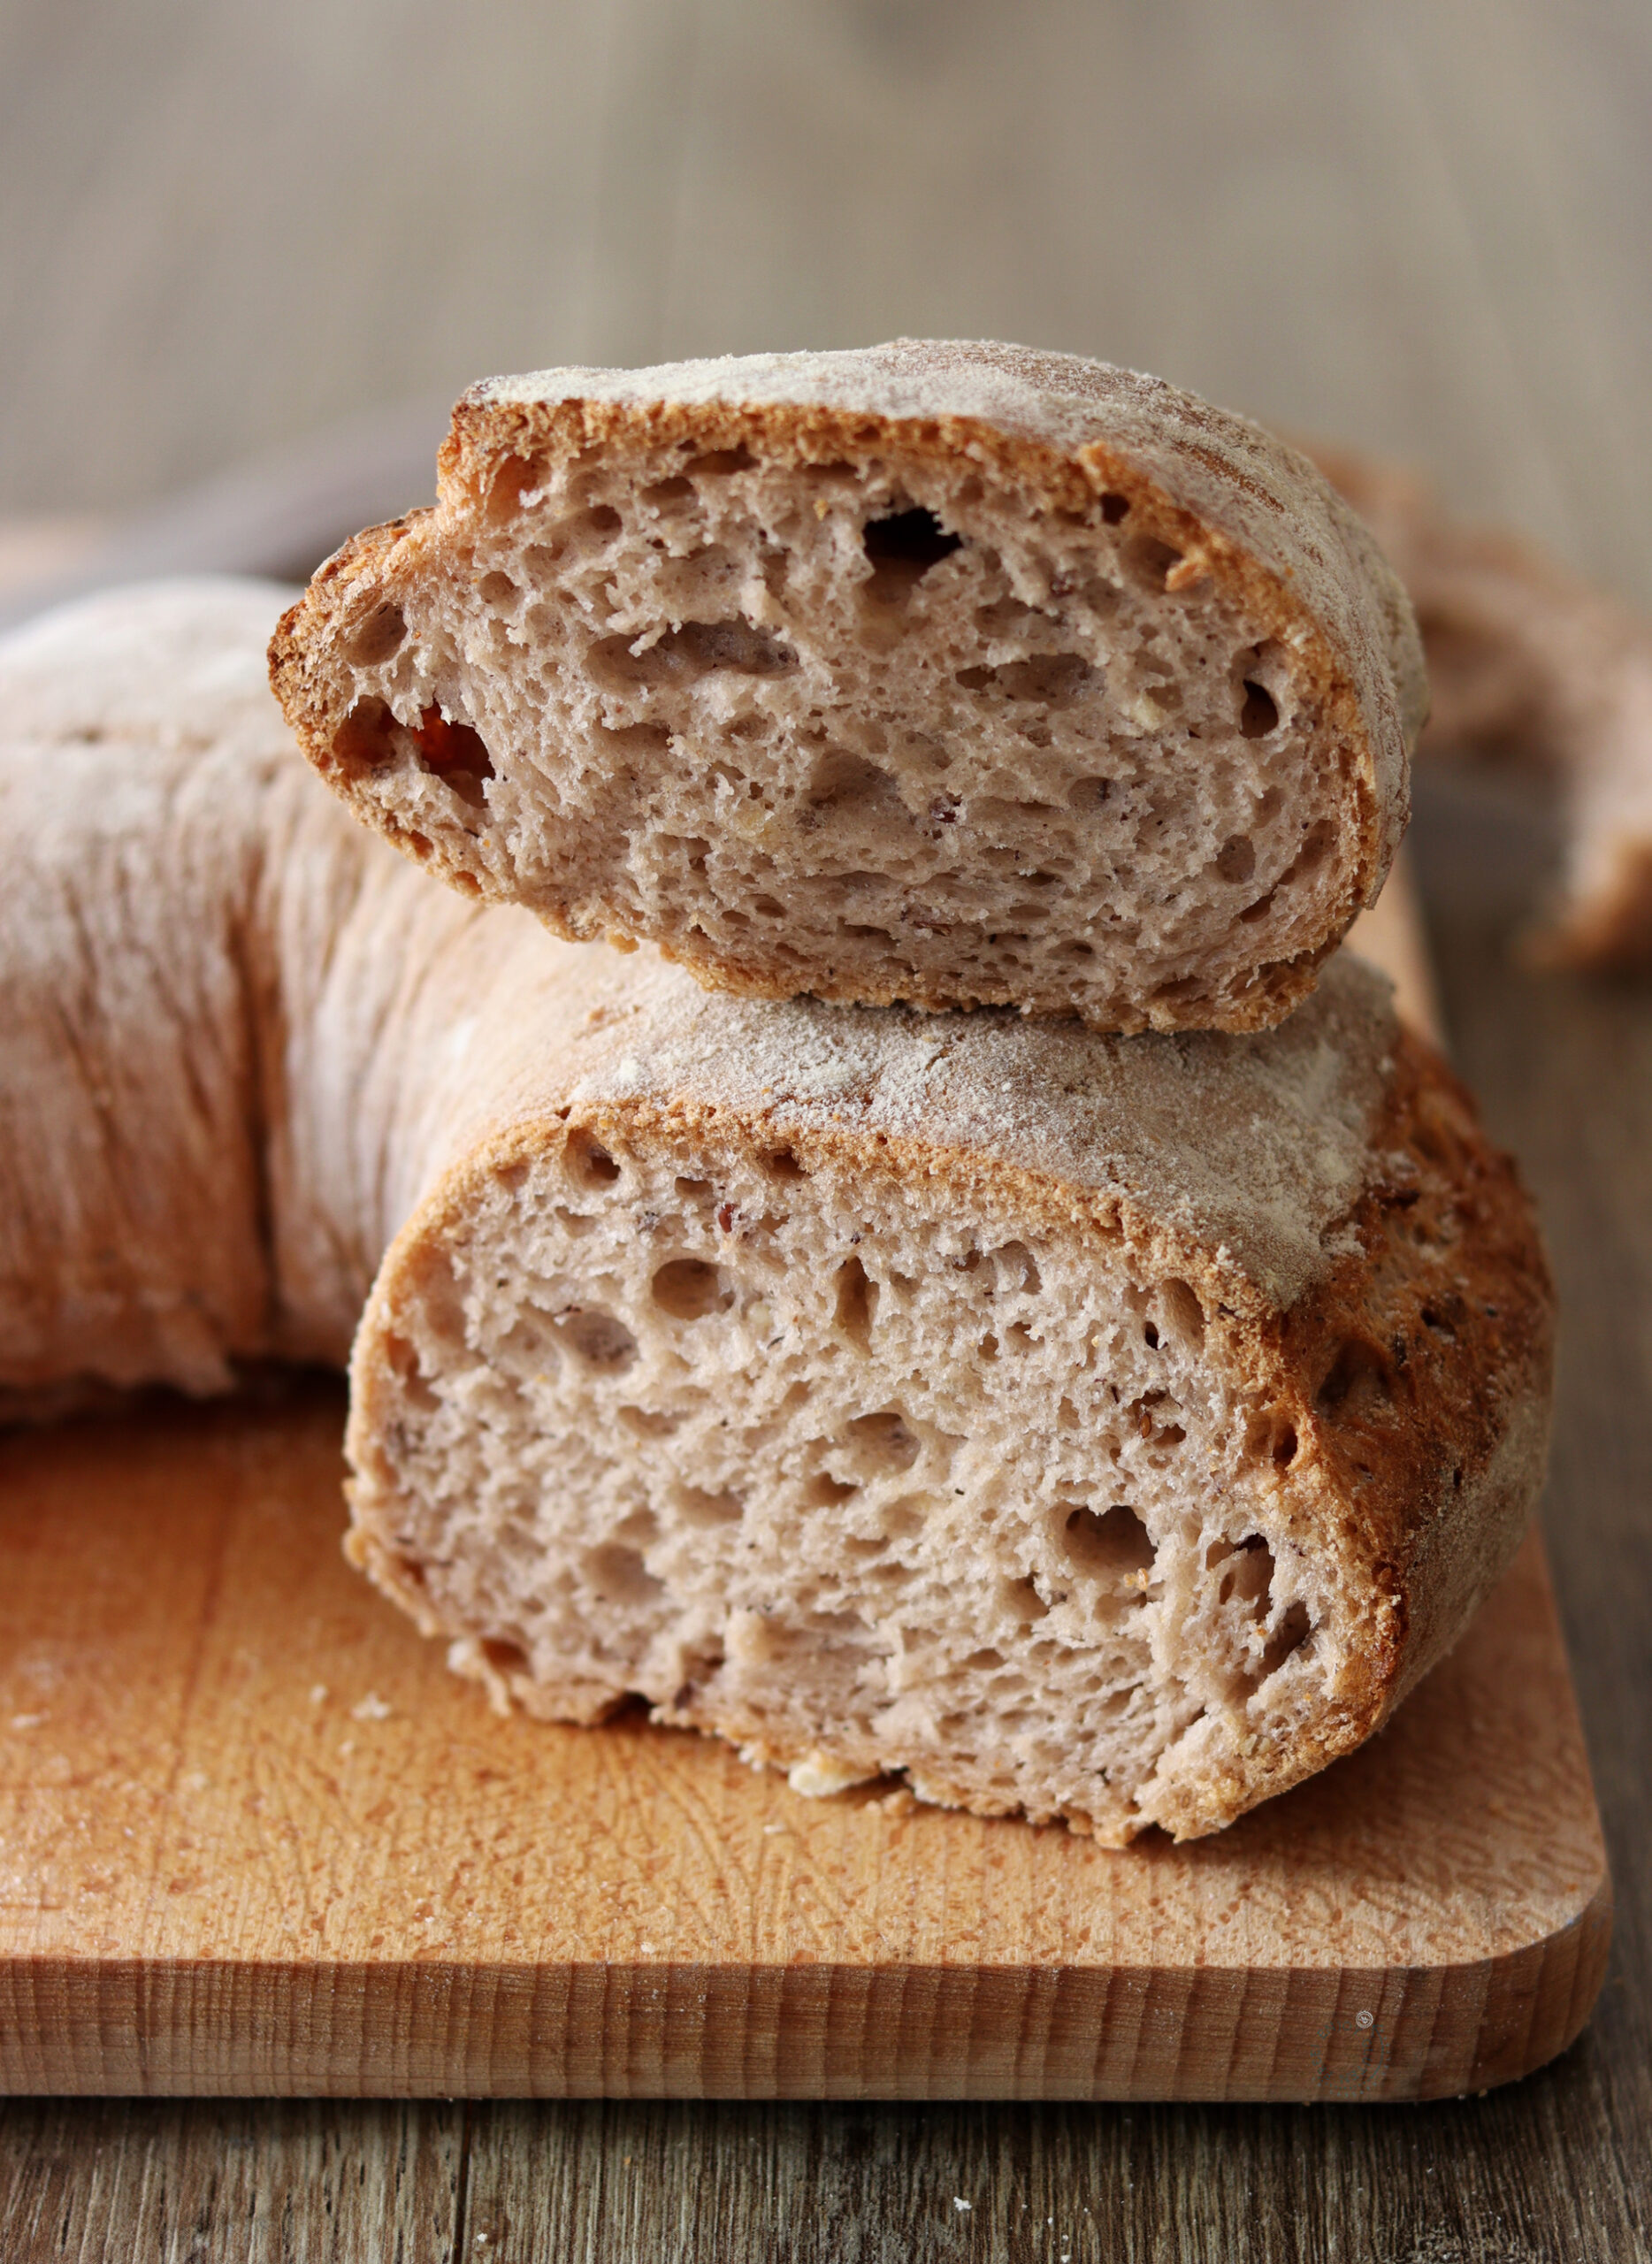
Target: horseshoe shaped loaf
{"x":1109,"y":1429}
{"x":955,"y":675}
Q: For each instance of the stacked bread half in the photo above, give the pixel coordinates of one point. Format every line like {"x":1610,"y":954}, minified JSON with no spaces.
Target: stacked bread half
{"x":987,"y":1294}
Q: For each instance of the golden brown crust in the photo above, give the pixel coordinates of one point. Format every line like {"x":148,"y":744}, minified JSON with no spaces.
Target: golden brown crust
{"x":1413,"y":1423}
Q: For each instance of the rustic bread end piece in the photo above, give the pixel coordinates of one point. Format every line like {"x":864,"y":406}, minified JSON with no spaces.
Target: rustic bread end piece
{"x":948,"y":674}
{"x":1096,"y":1431}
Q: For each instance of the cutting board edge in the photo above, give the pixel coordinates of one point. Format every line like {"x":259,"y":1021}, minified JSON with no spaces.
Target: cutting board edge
{"x":273,"y":2029}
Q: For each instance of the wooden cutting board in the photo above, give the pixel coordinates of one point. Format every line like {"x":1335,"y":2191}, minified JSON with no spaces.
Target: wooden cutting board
{"x":255,"y":1838}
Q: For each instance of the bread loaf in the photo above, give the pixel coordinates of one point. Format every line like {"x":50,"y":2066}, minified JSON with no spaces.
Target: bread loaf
{"x":954,"y":675}
{"x":210,"y":1054}
{"x":1529,"y":666}
{"x":1101,"y":1428}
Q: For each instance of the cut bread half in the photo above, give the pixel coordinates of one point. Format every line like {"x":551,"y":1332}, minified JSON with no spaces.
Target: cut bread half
{"x":951,"y":675}
{"x":1083,"y":1427}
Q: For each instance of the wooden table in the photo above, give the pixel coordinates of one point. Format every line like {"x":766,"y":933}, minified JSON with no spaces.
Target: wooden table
{"x":1421,"y":227}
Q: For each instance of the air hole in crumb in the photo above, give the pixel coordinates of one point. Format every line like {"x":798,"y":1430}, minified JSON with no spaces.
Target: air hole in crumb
{"x":1109,"y":1544}
{"x":1006,"y":616}
{"x":640,"y":745}
{"x":1259,"y":716}
{"x":1150,"y":562}
{"x":903,"y":1518}
{"x":602,"y":518}
{"x":1236,"y":860}
{"x":695,"y":1189}
{"x":601,"y":1341}
{"x":857,"y":1304}
{"x":684,"y":656}
{"x":1356,"y":1381}
{"x":1292,"y":1633}
{"x":1088,"y":793}
{"x":1249,"y":1574}
{"x":823,"y":1491}
{"x":619,"y":1575}
{"x":516,"y":477}
{"x":1184,"y":1311}
{"x":717,"y":464}
{"x":698,"y":1508}
{"x":1315,"y":843}
{"x":364,"y":738}
{"x":668,"y":491}
{"x":840,"y":778}
{"x":456,"y":751}
{"x":1053,"y":678}
{"x":780,"y":1163}
{"x":1149,"y":1335}
{"x":1114,"y":508}
{"x":768,"y":908}
{"x":647,"y":1423}
{"x":496,"y":589}
{"x":885,"y":1438}
{"x":1018,"y":1268}
{"x":687,"y":1288}
{"x":590,"y":1164}
{"x":1022,"y":1600}
{"x":504,"y":1658}
{"x":902,"y":548}
{"x":379,"y":635}
{"x":981,"y":1661}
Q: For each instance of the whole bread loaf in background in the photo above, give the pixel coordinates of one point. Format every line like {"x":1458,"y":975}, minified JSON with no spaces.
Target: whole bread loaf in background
{"x":1530,"y":667}
{"x":948,"y":674}
{"x":1084,"y":1427}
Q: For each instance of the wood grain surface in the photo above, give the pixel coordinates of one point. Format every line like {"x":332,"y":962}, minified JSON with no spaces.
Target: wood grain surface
{"x":258,"y":1840}
{"x":1420,"y":228}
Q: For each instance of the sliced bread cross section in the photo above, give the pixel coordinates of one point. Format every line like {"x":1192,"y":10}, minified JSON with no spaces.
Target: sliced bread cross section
{"x":950,"y":675}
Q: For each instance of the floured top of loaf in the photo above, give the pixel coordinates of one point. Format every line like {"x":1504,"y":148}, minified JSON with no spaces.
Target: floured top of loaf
{"x":1258,"y":1146}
